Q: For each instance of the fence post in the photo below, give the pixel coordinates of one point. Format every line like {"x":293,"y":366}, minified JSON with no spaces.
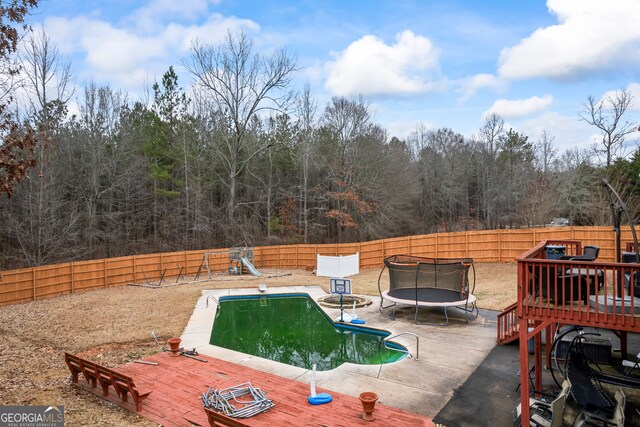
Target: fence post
{"x":186,"y":266}
{"x":466,"y":244}
{"x":72,"y":279}
{"x":499,"y":245}
{"x":135,"y":268}
{"x":104,"y":267}
{"x":33,"y":281}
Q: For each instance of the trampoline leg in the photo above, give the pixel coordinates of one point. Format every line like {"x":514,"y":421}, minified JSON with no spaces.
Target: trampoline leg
{"x":474,"y":309}
{"x":382,"y":307}
{"x":446,"y":317}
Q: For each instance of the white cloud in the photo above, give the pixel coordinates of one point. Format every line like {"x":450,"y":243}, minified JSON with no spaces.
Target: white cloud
{"x":471,"y":85}
{"x":519,"y":107}
{"x":568,"y":131}
{"x":368,"y":66}
{"x":149,"y":18}
{"x":402,"y":129}
{"x":591,"y":35}
{"x":127,"y":56}
{"x":633,"y":89}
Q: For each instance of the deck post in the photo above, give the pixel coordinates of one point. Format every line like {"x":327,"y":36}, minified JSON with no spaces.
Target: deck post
{"x":550,"y":331}
{"x":524,"y":372}
{"x":537,"y":361}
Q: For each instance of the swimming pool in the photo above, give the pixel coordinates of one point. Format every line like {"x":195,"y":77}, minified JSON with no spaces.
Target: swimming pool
{"x":293,"y":329}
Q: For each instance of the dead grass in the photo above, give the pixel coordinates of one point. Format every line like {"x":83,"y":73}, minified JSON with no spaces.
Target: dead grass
{"x":113,"y":326}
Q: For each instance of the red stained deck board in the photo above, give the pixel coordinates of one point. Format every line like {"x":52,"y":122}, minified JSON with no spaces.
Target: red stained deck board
{"x":178,"y":384}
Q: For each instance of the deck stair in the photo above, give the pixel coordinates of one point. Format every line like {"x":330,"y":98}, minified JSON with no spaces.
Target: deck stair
{"x":508,"y":328}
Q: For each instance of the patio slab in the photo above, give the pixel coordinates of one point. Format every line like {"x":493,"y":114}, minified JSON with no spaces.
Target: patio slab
{"x":448,"y":354}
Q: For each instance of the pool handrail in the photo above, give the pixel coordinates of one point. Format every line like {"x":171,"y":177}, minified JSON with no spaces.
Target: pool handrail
{"x":214,"y":300}
{"x":386,"y":339}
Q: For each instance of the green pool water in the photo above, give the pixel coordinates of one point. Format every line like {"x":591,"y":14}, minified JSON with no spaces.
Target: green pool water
{"x":293,"y":329}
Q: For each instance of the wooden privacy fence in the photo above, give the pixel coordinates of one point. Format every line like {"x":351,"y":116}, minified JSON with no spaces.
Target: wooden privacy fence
{"x":29,"y":284}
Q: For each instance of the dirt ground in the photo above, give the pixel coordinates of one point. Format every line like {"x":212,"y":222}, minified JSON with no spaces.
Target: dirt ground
{"x":113,"y":326}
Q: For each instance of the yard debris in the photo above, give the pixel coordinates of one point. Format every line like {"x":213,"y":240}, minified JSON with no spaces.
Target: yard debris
{"x":191,"y":354}
{"x":223,"y":400}
{"x":144,"y":362}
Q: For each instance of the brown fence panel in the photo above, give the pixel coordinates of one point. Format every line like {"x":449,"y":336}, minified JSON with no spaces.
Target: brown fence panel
{"x":396,"y":245}
{"x":515,"y":242}
{"x":282,"y":256}
{"x":53,"y":280}
{"x":172,"y":264}
{"x":602,"y":237}
{"x":348,"y":249}
{"x":120,"y":271}
{"x":552,"y":233}
{"x":328,"y":249}
{"x":288,"y":256}
{"x":424,"y":245}
{"x":371,"y":254}
{"x":192,"y":261}
{"x":451,"y":245}
{"x":269,"y":256}
{"x":306,"y":256}
{"x":148,"y":268}
{"x":17,"y":286}
{"x":89,"y":275}
{"x":483,"y":246}
{"x":219,"y":259}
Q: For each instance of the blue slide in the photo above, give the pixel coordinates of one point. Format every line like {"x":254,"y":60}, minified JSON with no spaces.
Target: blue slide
{"x":250,"y":267}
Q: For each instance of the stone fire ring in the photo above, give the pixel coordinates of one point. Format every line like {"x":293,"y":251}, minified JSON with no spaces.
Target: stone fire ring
{"x":333,"y":301}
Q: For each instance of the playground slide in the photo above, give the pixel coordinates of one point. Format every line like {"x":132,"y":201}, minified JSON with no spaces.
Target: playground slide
{"x":250,"y":267}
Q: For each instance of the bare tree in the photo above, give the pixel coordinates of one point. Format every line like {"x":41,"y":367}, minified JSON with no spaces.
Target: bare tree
{"x":545,"y":152}
{"x":490,"y":136}
{"x":47,"y":73}
{"x":443,"y":166}
{"x":578,"y":188}
{"x":242,"y":84}
{"x":418,"y":139}
{"x":607,"y":115}
{"x":306,"y":119}
{"x":347,"y":122}
{"x":96,"y":157}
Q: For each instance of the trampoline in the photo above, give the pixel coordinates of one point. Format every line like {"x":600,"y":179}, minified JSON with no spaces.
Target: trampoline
{"x":428,"y":282}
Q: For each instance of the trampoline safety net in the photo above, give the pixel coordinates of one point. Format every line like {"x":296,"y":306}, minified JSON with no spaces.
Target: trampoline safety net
{"x":441,"y":279}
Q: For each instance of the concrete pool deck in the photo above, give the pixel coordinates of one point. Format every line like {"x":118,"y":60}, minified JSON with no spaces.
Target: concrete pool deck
{"x":448,"y":354}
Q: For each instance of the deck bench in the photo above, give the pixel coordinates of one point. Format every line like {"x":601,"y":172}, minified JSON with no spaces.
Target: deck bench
{"x":217,"y":419}
{"x":124,"y":385}
{"x":96,"y":374}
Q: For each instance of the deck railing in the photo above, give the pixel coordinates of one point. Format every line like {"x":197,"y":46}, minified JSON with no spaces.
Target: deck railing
{"x":600,"y":294}
{"x":508,"y":324}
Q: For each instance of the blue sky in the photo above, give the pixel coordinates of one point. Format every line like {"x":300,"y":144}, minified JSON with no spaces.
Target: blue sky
{"x":442,"y":63}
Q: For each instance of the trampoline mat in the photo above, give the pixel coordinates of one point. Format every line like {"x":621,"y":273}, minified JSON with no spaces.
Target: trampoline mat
{"x":427,"y":294}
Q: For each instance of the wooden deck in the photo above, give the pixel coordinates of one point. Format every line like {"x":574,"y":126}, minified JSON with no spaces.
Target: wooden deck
{"x":178,"y":384}
{"x":560,"y":291}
